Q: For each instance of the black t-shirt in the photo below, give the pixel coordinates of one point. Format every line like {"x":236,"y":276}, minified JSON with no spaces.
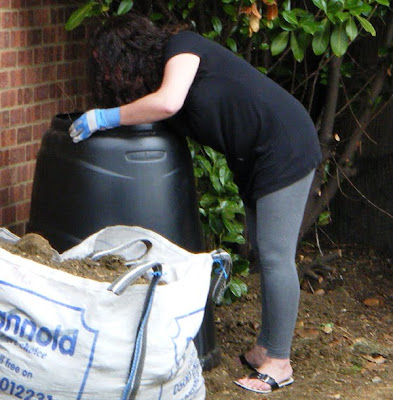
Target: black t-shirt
{"x":267,"y":136}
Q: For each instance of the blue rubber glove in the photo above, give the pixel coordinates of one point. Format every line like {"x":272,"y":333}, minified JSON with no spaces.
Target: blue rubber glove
{"x":94,"y":120}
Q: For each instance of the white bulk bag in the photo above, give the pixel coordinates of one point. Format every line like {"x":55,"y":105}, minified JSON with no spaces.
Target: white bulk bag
{"x":64,"y":337}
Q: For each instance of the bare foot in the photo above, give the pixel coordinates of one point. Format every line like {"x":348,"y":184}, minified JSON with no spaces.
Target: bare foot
{"x":255,"y":357}
{"x":280,"y":370}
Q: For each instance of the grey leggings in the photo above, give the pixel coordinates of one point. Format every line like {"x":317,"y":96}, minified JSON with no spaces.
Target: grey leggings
{"x":273,"y":228}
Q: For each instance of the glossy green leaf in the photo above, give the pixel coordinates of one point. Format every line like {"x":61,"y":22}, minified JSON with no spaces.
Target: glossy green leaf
{"x":334,"y":6}
{"x":79,"y":15}
{"x":299,"y":12}
{"x":321,"y":38}
{"x":217,"y":24}
{"x":125,"y":6}
{"x":233,"y":238}
{"x":237,"y":287}
{"x":171,"y":4}
{"x":366,"y":25}
{"x":215,"y":223}
{"x":233,"y":225}
{"x":230,"y":206}
{"x":264,"y":46}
{"x":198,"y":172}
{"x":230,"y":10}
{"x":351,"y":29}
{"x":232,"y":45}
{"x":343,"y":16}
{"x":286,"y":5}
{"x":279,"y":43}
{"x":207,"y":199}
{"x":215,"y":181}
{"x":285,"y":26}
{"x":339,"y":41}
{"x":310,"y":26}
{"x":324,"y":218}
{"x":156,"y":16}
{"x":205,"y":164}
{"x":383,"y":2}
{"x":297,"y":49}
{"x":359,"y":8}
{"x":225,"y":175}
{"x":290,"y":17}
{"x":321,"y":4}
{"x":213,"y":155}
{"x":210,"y":35}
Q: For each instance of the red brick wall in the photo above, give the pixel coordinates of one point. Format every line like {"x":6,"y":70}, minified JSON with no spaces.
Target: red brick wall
{"x":42,"y":73}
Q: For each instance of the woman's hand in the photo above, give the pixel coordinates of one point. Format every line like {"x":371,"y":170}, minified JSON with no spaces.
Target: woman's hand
{"x":92,"y":121}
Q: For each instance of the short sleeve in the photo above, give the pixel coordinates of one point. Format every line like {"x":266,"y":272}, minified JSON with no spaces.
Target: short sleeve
{"x":183,"y":42}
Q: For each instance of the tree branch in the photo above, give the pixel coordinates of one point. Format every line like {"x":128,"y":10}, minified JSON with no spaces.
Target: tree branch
{"x":317,"y":204}
{"x":329,"y":114}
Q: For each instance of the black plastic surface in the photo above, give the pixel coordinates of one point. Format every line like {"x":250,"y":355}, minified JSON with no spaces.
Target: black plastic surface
{"x":139,"y":175}
{"x":127,"y":176}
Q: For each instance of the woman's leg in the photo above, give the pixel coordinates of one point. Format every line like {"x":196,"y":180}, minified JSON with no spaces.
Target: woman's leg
{"x":278,"y":219}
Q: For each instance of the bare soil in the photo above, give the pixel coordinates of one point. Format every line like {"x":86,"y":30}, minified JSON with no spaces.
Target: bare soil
{"x":37,"y":248}
{"x":343,"y":344}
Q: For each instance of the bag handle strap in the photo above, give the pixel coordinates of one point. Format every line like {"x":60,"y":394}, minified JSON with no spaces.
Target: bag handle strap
{"x":121,"y":283}
{"x":138,"y":356}
{"x":121,"y":248}
{"x":221,"y":275}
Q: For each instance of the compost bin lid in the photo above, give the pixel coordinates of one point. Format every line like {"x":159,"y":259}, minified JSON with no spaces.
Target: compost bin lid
{"x":63,"y":121}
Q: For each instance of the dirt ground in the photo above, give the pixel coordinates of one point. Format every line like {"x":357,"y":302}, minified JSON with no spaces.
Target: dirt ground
{"x":343,"y":344}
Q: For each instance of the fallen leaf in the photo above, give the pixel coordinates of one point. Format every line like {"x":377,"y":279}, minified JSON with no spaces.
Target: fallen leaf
{"x":327,"y":328}
{"x":377,"y":358}
{"x":299,"y":324}
{"x":372,"y":302}
{"x":388,"y":337}
{"x":307,"y":333}
{"x":319,"y":292}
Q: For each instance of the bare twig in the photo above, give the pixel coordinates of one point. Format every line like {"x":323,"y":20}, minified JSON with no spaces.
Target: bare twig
{"x":355,"y":96}
{"x":362,"y":195}
{"x":349,"y":102}
{"x":317,"y":204}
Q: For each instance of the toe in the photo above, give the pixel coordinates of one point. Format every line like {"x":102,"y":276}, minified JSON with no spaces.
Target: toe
{"x":255,"y":384}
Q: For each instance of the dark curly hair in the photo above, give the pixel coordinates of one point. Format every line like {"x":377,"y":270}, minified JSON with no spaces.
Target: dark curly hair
{"x":125,"y":59}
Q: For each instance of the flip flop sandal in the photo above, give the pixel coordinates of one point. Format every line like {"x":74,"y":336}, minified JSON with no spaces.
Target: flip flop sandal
{"x":245,"y":363}
{"x":267,"y":379}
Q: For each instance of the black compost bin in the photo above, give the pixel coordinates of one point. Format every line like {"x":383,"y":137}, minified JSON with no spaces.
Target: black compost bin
{"x":138,"y":175}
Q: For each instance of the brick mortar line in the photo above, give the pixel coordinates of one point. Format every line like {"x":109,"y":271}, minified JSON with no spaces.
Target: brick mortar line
{"x":18,"y":68}
{"x":38,"y":46}
{"x":34,"y":85}
{"x":39,"y":103}
{"x":33,"y":27}
{"x":40,"y":7}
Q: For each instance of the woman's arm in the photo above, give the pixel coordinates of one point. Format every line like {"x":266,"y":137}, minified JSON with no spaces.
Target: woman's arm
{"x":179,"y":73}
